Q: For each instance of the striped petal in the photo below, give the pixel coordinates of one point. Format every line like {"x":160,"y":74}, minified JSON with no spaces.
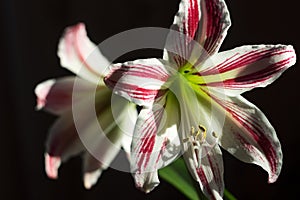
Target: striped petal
{"x":155,"y":143}
{"x":246,"y":67}
{"x":78,"y":54}
{"x":138,"y":81}
{"x":126,"y":126}
{"x":199,"y":133}
{"x":249,"y":136}
{"x":102,"y":151}
{"x":64,"y":140}
{"x":92,"y":169}
{"x":210,"y":173}
{"x":214,"y":25}
{"x":147,"y":181}
{"x":55,"y":95}
{"x":106,"y":149}
{"x":205,"y":22}
{"x":62,"y":143}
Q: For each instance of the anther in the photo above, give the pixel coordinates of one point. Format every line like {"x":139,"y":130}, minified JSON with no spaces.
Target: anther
{"x":203,"y":133}
{"x":215,"y":134}
{"x":202,"y":128}
{"x":186,"y":139}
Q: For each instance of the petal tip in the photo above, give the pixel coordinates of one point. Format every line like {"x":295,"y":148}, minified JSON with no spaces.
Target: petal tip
{"x":147,"y":189}
{"x":272,"y":179}
{"x":91,"y":178}
{"x":146,"y":182}
{"x":52,"y":164}
{"x":41,"y":91}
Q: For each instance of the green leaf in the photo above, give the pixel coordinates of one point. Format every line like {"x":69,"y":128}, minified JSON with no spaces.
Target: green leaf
{"x":228,"y":195}
{"x":178,"y":176}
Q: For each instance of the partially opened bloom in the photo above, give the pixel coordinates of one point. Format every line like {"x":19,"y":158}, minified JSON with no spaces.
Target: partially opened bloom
{"x":192,"y":101}
{"x":98,"y":146}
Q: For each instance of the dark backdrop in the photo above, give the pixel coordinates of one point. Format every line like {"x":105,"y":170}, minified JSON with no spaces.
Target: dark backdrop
{"x":29,"y":35}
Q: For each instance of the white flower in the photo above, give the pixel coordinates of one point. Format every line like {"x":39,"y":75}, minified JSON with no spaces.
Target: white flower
{"x":78,"y":54}
{"x":192,"y":100}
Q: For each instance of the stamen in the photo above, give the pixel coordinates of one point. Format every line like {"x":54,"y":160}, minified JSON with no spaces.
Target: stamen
{"x":197,"y":134}
{"x":215,"y":134}
{"x":195,"y":139}
{"x":186,"y":139}
{"x":203,"y":133}
{"x":192,"y":130}
{"x":202,"y":128}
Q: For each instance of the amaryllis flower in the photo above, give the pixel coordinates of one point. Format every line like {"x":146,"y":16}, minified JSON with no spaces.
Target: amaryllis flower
{"x":98,"y":146}
{"x":192,"y":101}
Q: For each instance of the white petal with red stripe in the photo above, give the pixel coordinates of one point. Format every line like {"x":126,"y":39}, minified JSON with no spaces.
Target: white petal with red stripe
{"x":105,"y":148}
{"x":139,"y":81}
{"x":63,"y":140}
{"x":55,"y":95}
{"x":205,"y":22}
{"x":247,"y":67}
{"x":155,"y":143}
{"x":249,"y":136}
{"x":81,"y":56}
{"x":147,"y":181}
{"x":210,"y":173}
{"x":62,"y":143}
{"x":214,"y":25}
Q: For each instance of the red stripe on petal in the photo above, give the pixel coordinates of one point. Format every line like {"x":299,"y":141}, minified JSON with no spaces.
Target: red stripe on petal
{"x":239,"y":60}
{"x":216,"y":173}
{"x":193,"y":18}
{"x":139,"y":81}
{"x":139,"y":70}
{"x":145,"y":151}
{"x":79,"y":34}
{"x":210,"y":172}
{"x":215,"y":23}
{"x":204,"y":181}
{"x":148,"y":141}
{"x":261,"y":76}
{"x":254,"y":79}
{"x":257,"y":133}
{"x":163,"y":148}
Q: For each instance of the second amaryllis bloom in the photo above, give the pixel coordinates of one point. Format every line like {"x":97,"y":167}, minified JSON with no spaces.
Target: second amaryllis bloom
{"x":98,"y":146}
{"x":192,"y":101}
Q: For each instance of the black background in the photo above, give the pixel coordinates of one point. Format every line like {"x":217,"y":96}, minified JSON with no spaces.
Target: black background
{"x":29,"y":35}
